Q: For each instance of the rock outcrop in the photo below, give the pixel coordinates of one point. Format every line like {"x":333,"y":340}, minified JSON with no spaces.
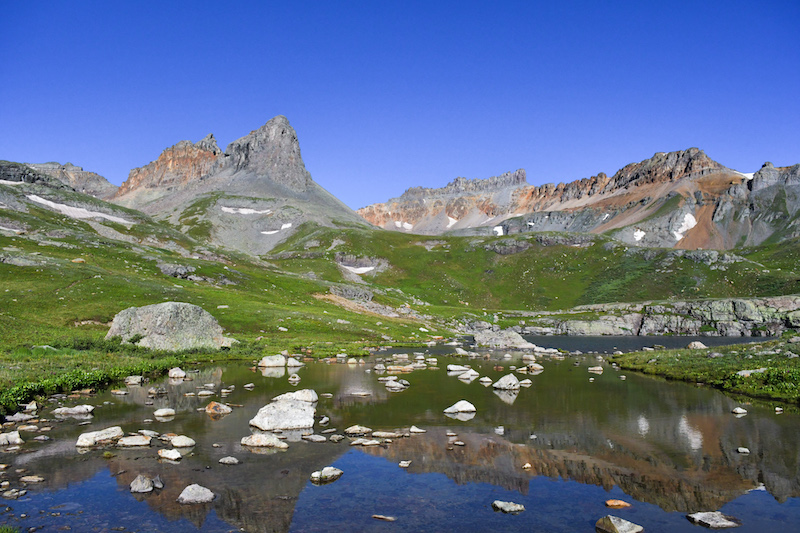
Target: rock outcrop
{"x":173,"y":326}
{"x":78,"y":179}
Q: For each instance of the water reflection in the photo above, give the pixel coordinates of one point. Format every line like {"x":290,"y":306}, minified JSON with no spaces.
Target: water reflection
{"x":667,"y":444}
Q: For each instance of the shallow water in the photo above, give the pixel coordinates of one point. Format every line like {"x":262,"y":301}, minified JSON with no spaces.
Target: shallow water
{"x":667,"y":448}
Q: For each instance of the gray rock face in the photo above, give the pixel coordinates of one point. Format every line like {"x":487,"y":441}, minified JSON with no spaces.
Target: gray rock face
{"x":273,"y":146}
{"x":81,"y":180}
{"x":502,"y":339}
{"x":195,"y":494}
{"x":172,"y":326}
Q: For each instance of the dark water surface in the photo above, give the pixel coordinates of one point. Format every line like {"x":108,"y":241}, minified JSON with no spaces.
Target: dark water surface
{"x":667,"y":448}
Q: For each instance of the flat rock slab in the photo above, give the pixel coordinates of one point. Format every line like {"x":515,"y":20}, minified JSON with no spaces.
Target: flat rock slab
{"x":93,"y":437}
{"x":714,"y":520}
{"x":134,"y":441}
{"x":285,"y":414}
{"x":508,"y":507}
{"x":170,"y":455}
{"x":614,"y":524}
{"x":260,"y":440}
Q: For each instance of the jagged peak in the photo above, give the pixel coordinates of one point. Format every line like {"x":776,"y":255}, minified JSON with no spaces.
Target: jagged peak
{"x":461,"y":185}
{"x":664,"y":166}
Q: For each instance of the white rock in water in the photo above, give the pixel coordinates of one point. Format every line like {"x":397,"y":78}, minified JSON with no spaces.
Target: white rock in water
{"x":739,"y":411}
{"x":314,"y":438}
{"x":743,"y":450}
{"x":229,"y":461}
{"x":469,"y":375}
{"x":195,"y":494}
{"x":328,"y":474}
{"x":457,"y":368}
{"x":182,"y":441}
{"x":508,"y":507}
{"x":134,"y":441}
{"x":525,"y":383}
{"x":134,"y":380}
{"x":404,"y":464}
{"x":141,"y":484}
{"x":485,"y":381}
{"x":170,"y":455}
{"x":78,"y":410}
{"x":415,"y":429}
{"x":261,"y":440}
{"x":271,"y":361}
{"x":507,"y":382}
{"x":176,"y":373}
{"x":614,"y":524}
{"x":461,"y":406}
{"x":714,"y":520}
{"x":93,"y":437}
{"x":696,"y":345}
{"x":291,"y":361}
{"x":164,"y":413}
{"x":285,"y":414}
{"x":596,"y":369}
{"x":357,"y":430}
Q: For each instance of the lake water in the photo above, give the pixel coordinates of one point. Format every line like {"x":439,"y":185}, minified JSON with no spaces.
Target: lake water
{"x":667,"y":448}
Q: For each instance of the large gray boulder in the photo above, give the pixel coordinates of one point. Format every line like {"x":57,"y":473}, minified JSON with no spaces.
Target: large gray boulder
{"x":173,"y":326}
{"x":287,"y":411}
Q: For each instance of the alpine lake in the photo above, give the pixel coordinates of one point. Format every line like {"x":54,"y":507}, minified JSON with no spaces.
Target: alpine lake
{"x":561,"y":447}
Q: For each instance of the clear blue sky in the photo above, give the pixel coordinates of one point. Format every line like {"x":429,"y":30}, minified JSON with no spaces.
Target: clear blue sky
{"x":389,"y":95}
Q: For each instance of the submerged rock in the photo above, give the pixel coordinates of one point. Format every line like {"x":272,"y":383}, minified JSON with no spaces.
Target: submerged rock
{"x":714,"y":520}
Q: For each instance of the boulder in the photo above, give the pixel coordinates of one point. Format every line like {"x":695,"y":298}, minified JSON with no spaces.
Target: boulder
{"x":285,"y":413}
{"x":272,"y":361}
{"x":78,"y":410}
{"x":507,"y":382}
{"x":141,"y":484}
{"x":508,"y":507}
{"x":291,"y":361}
{"x":176,"y":373}
{"x":614,"y":524}
{"x":182,"y":441}
{"x":461,"y":406}
{"x":329,"y":474}
{"x":134,"y":441}
{"x":134,"y":380}
{"x":170,"y":455}
{"x":502,"y":339}
{"x":357,"y":430}
{"x":173,"y":326}
{"x":218,"y":409}
{"x":93,"y":437}
{"x":696,"y":345}
{"x":714,"y":520}
{"x":263,"y":440}
{"x":164,"y":413}
{"x":229,"y":461}
{"x":195,"y":494}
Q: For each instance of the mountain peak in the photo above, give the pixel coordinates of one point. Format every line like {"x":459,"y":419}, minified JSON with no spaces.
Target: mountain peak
{"x":272,"y":150}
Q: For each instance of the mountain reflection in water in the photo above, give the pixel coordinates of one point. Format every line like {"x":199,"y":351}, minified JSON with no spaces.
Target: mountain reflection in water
{"x":668,"y":448}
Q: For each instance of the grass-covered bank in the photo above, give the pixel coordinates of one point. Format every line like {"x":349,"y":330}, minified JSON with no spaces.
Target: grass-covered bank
{"x":722,"y":367}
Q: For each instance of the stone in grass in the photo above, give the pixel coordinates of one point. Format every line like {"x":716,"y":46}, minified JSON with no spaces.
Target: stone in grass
{"x":614,"y":524}
{"x":508,"y":507}
{"x":329,"y":474}
{"x":142,"y":484}
{"x":714,"y":520}
{"x":195,"y":494}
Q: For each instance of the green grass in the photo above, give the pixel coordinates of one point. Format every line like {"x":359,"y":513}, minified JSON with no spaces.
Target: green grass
{"x":781,"y":380}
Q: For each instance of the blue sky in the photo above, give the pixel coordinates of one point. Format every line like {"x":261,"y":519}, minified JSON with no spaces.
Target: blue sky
{"x":389,"y":95}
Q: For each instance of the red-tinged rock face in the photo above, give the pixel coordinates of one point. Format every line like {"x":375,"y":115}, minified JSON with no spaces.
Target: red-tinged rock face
{"x":176,"y":166}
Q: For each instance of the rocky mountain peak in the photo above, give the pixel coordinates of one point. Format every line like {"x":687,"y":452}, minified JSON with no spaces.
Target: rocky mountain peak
{"x":272,"y":150}
{"x":664,"y":167}
{"x":464,"y":185}
{"x":78,"y":179}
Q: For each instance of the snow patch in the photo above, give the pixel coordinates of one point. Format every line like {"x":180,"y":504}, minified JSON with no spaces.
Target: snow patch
{"x":688,"y":223}
{"x":273,"y":232}
{"x":12,"y":230}
{"x":451,"y":221}
{"x":638,"y":235}
{"x":398,"y":224}
{"x":606,"y":216}
{"x":76,"y":212}
{"x":358,"y":270}
{"x":245,"y":211}
{"x":498,"y":230}
{"x":530,"y":224}
{"x":407,"y":226}
{"x":286,"y":226}
{"x":6,"y":182}
{"x":747,"y":175}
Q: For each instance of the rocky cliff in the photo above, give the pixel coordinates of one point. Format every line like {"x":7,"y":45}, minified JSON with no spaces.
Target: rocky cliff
{"x":248,"y":198}
{"x":75,"y":177}
{"x":678,"y":199}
